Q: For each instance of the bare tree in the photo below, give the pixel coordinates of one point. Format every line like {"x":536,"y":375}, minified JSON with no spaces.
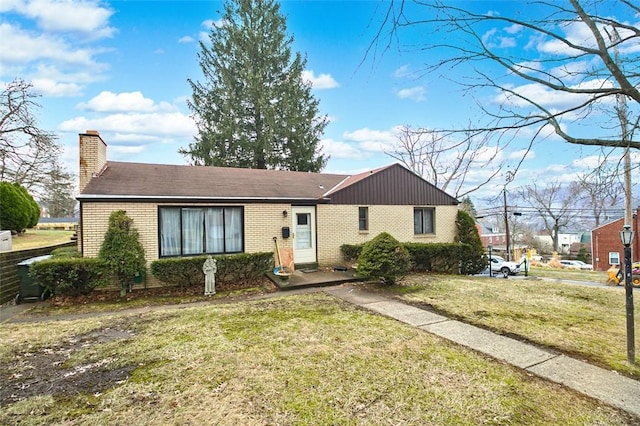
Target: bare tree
{"x":27,"y":153}
{"x":58,"y":195}
{"x":565,"y":70}
{"x":600,"y":190}
{"x":446,"y":160}
{"x":554,"y":203}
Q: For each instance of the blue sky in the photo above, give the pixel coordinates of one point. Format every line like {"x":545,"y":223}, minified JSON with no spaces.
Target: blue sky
{"x":121,"y":68}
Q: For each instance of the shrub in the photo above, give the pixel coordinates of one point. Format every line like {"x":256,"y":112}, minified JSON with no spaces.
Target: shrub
{"x":472,"y":258}
{"x":351,"y":252}
{"x":384,"y":257}
{"x":236,"y":268}
{"x":68,"y":276}
{"x":121,"y":251}
{"x":18,"y":209}
{"x":66,"y":252}
{"x":436,"y":257}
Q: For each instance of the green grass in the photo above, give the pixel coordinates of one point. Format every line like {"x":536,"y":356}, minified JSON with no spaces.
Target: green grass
{"x":589,"y":322}
{"x":294,"y":360}
{"x":34,"y":238}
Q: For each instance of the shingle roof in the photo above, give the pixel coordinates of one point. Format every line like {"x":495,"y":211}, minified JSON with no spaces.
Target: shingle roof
{"x":141,"y":180}
{"x":392,"y":184}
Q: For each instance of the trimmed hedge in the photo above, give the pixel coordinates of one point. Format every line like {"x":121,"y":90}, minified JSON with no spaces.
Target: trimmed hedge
{"x":351,"y":252}
{"x":66,"y":252}
{"x":68,"y":276}
{"x":239,"y":269}
{"x":425,"y":257}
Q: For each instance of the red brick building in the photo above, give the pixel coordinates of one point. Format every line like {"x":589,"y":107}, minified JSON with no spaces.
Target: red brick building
{"x":606,"y":246}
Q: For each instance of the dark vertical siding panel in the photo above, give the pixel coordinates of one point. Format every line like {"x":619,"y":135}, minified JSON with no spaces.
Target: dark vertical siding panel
{"x":393,"y":186}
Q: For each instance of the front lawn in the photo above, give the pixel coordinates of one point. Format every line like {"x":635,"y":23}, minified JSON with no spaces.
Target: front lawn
{"x":290,"y":360}
{"x":34,"y":238}
{"x":587,"y":322}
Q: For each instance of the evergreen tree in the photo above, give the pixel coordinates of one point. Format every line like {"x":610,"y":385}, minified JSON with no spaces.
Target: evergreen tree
{"x":18,"y":209}
{"x":121,"y":250}
{"x":474,"y":260}
{"x":253,"y":109}
{"x":467,"y":206}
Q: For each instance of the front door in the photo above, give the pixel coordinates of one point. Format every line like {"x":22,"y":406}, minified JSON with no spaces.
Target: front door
{"x":304,"y":234}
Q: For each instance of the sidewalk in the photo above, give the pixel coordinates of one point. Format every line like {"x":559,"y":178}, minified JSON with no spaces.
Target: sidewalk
{"x":607,"y":386}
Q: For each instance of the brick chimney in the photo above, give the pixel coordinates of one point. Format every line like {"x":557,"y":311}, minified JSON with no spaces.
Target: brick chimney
{"x":93,"y":156}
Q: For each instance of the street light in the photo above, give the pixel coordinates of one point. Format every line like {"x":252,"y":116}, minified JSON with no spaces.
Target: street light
{"x":626,"y":235}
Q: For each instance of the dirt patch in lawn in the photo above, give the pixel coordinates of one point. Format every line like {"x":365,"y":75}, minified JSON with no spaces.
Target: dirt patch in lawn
{"x":45,"y":372}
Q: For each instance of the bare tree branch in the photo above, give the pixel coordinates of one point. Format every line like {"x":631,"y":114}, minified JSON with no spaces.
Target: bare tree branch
{"x":582,"y":68}
{"x":28,"y":154}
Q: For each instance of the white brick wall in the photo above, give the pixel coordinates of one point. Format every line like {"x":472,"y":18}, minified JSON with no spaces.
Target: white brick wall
{"x":336,"y":225}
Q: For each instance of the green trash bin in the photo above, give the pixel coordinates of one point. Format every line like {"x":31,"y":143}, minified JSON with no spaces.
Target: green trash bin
{"x":28,"y":289}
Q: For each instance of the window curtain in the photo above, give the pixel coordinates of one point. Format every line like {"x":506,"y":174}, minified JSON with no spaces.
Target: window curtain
{"x":233,"y":229}
{"x":170,"y":231}
{"x":192,"y":231}
{"x":417,"y":221}
{"x":214,"y":226}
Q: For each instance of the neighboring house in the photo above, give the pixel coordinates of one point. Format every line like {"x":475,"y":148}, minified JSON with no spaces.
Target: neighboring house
{"x":607,"y":248}
{"x":492,"y":237}
{"x":57,"y":223}
{"x":565,"y":240}
{"x":193,"y":210}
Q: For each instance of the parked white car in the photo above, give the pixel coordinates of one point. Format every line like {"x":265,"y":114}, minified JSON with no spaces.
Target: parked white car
{"x":498,"y":264}
{"x":576,"y":264}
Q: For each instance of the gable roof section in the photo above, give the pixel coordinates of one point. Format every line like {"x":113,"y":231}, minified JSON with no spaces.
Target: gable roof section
{"x":140,"y":181}
{"x":390,"y":185}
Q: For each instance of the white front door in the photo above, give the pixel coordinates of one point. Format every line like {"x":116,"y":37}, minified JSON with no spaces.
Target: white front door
{"x":304,"y":234}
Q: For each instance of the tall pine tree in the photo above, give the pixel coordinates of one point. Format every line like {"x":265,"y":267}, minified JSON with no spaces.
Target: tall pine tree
{"x":253,"y":109}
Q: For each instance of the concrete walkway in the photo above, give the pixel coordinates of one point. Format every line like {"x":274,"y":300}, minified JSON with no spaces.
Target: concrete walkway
{"x":607,"y":386}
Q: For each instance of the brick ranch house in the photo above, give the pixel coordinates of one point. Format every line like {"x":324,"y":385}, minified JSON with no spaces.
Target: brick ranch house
{"x":195,"y":210}
{"x":606,"y":246}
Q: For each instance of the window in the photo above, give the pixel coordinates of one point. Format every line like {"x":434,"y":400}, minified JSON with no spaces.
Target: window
{"x":423,"y":220}
{"x":363,"y":218}
{"x":200,"y":230}
{"x":614,"y":258}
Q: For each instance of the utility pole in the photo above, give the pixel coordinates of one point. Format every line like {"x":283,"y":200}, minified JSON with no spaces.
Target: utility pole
{"x":509,"y":178}
{"x":506,"y":224}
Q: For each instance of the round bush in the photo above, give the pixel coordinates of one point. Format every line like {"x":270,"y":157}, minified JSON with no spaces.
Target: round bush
{"x":384,"y":258}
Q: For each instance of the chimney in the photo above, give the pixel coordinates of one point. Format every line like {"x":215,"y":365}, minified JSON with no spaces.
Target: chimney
{"x":93,"y":156}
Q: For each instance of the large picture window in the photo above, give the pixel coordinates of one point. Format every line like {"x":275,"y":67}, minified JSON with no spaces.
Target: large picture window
{"x":423,"y":222}
{"x":188,"y":231}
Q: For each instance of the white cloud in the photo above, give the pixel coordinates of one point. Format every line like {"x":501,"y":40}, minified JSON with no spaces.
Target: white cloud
{"x":402,"y":72}
{"x":546,"y":96}
{"x":53,"y":88}
{"x":54,"y":62}
{"x":416,"y":93}
{"x":513,"y":29}
{"x":124,"y":102}
{"x":86,"y":17}
{"x":166,"y":125}
{"x":322,"y":81}
{"x":506,"y":42}
{"x":518,"y":154}
{"x":372,"y":140}
{"x":338,"y":149}
{"x":186,"y":39}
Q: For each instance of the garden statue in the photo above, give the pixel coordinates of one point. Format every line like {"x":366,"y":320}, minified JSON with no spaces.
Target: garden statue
{"x":210,"y":268}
